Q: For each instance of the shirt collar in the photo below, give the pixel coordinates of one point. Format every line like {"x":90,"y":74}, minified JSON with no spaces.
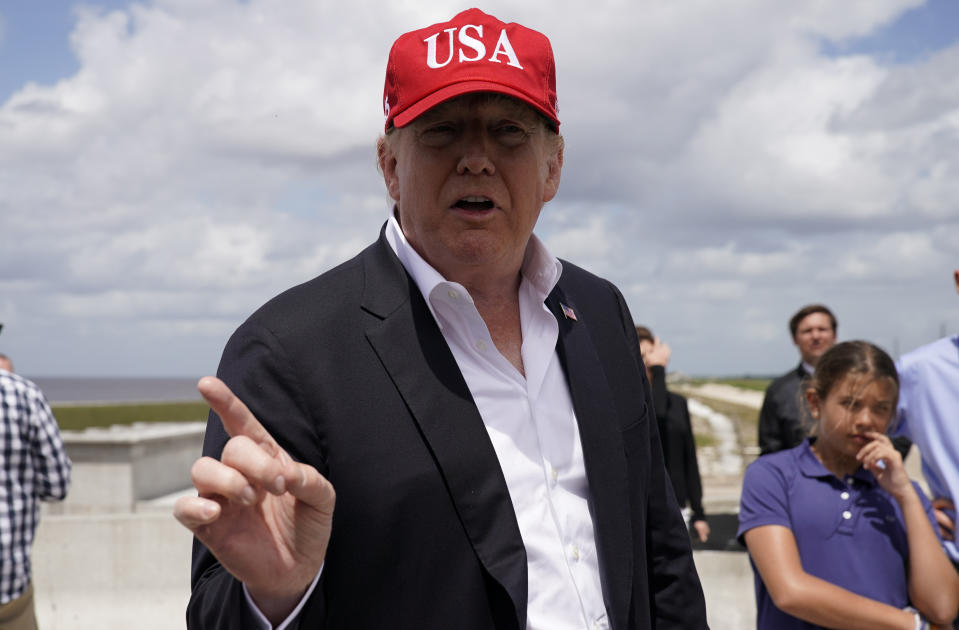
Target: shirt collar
{"x":810,"y":466}
{"x":540,"y":268}
{"x":808,"y":369}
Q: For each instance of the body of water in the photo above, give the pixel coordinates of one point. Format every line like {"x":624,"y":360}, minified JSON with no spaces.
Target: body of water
{"x":61,"y":390}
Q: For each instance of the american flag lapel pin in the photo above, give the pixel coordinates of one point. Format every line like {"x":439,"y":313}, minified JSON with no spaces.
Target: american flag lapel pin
{"x":568,"y":312}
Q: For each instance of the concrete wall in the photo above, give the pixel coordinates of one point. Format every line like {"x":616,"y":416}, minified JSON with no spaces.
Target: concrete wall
{"x":98,"y":572}
{"x":112,"y":555}
{"x":111,"y":571}
{"x":115,"y":468}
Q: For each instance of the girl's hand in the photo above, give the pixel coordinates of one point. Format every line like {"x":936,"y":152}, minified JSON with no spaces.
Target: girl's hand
{"x":885,"y":463}
{"x":945,"y":512}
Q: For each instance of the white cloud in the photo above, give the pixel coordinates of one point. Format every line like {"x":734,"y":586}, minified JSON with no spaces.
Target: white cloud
{"x":719,"y":168}
{"x":728,"y":260}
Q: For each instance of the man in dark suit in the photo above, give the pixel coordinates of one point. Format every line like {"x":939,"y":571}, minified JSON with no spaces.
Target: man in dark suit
{"x":479,"y":406}
{"x":783,"y":421}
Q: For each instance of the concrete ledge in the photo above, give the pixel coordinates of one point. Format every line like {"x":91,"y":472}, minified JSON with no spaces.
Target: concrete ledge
{"x":117,"y":467}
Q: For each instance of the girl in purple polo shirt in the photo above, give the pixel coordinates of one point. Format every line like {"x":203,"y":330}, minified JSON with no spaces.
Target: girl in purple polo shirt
{"x":838,"y":535}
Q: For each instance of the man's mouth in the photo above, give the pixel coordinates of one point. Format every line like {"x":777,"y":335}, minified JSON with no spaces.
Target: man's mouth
{"x":474,"y":203}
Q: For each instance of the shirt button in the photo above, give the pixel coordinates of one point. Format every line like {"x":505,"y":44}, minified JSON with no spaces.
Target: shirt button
{"x":575,"y":552}
{"x":844,"y":495}
{"x":481,"y":346}
{"x":847,"y":515}
{"x":553,"y":473}
{"x":453,"y":294}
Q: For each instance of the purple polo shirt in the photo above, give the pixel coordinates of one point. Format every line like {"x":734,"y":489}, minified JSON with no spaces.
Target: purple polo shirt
{"x":849,"y":531}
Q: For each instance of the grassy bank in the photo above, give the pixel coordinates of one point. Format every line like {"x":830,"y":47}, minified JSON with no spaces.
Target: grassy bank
{"x":80,"y":417}
{"x":756,"y":384}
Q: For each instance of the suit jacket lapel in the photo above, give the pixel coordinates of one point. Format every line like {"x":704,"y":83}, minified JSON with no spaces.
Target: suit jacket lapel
{"x":413,"y":351}
{"x":603,"y":453}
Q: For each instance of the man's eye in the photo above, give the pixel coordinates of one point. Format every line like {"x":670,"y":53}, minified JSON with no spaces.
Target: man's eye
{"x":436,"y":135}
{"x":511,"y":134}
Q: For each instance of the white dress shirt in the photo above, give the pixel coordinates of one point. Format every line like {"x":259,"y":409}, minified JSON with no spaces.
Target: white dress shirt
{"x":532,"y":427}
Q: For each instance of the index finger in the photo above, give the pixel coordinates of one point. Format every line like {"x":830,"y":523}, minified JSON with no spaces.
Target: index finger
{"x":236,"y":417}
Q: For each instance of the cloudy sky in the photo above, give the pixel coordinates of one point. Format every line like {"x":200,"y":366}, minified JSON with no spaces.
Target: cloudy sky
{"x":168,"y":165}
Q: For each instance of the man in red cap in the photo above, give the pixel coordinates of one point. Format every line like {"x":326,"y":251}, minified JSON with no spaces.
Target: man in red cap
{"x":472,"y":400}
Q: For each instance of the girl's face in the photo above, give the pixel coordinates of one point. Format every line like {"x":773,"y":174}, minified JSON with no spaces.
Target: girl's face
{"x":854,"y":405}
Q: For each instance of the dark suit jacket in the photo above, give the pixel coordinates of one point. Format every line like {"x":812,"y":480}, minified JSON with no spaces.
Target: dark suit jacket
{"x":350,"y":373}
{"x":783,"y":423}
{"x":679,"y":445}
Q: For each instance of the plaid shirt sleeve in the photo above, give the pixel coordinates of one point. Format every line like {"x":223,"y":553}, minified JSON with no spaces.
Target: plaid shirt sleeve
{"x":52,"y":465}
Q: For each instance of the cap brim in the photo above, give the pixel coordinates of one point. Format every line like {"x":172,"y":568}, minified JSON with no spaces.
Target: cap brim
{"x":441,"y":95}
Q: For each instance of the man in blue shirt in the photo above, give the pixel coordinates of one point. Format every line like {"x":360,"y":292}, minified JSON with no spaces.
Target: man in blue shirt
{"x":928,"y":413}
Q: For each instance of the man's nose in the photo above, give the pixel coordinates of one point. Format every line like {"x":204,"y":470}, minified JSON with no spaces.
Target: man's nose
{"x":475,"y":158}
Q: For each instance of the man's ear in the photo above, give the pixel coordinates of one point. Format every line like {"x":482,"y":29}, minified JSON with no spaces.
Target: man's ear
{"x":386,"y":158}
{"x":554,"y":165}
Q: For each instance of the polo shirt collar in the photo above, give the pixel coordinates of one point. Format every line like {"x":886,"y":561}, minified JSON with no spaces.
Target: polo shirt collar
{"x":810,"y":466}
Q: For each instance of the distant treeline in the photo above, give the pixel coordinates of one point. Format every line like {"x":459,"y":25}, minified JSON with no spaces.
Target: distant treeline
{"x":80,"y":417}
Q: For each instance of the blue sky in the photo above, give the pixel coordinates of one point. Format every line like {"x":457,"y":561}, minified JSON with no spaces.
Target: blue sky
{"x":167,"y":166}
{"x":35,"y":41}
{"x":911,"y":36}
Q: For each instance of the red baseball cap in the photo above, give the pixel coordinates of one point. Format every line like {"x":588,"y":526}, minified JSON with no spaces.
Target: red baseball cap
{"x":473,"y":52}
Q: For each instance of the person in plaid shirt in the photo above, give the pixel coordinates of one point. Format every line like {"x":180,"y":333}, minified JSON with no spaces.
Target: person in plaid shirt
{"x":33,"y":466}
